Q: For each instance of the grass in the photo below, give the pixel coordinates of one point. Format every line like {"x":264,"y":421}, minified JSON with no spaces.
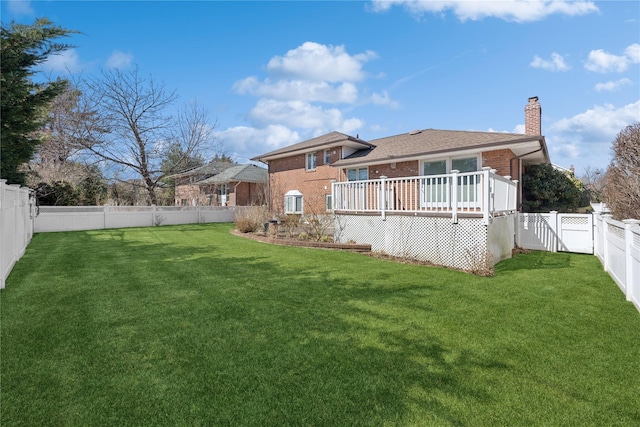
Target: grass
{"x":189,"y":325}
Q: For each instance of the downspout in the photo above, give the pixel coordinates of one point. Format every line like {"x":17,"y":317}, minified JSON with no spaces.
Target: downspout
{"x":268,"y":186}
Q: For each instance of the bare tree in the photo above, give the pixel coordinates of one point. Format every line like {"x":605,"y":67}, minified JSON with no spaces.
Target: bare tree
{"x":622,"y":191}
{"x":594,"y":181}
{"x":62,"y":137}
{"x":133,"y":131}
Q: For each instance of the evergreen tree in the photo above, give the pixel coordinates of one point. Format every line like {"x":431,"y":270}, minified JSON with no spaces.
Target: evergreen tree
{"x":23,"y":48}
{"x":546,"y":189}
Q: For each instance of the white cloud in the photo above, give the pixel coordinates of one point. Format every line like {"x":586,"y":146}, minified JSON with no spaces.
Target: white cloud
{"x":20,"y":7}
{"x":586,"y":137}
{"x":63,"y":62}
{"x":556,"y":63}
{"x":521,"y":128}
{"x":317,"y":62}
{"x":384,"y":99}
{"x":633,"y":53}
{"x":600,"y":61}
{"x":307,"y":89}
{"x":509,"y":10}
{"x":611,"y":86}
{"x":298,"y":114}
{"x":247,"y":142}
{"x":298,"y":90}
{"x":119,"y":60}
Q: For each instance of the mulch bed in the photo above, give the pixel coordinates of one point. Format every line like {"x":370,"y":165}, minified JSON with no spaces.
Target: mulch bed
{"x":287,"y":241}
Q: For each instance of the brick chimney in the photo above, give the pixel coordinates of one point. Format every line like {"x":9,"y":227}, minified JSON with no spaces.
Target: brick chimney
{"x":533,"y":117}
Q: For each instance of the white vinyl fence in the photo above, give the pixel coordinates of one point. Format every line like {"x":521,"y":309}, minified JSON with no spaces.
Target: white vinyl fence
{"x":76,"y":218}
{"x":615,"y":243}
{"x":16,"y":225}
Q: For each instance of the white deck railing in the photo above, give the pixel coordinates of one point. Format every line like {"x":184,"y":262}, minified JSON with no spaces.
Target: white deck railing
{"x":480,"y":193}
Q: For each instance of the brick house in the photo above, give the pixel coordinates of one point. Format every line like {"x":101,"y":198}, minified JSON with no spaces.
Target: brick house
{"x":442,"y":196}
{"x":220,"y":183}
{"x":301,"y":175}
{"x":239,"y":185}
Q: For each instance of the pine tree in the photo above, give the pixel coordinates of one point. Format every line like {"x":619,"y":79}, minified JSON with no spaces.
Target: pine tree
{"x":24,"y":101}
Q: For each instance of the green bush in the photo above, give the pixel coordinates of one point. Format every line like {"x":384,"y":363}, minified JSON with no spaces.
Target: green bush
{"x":547,"y":189}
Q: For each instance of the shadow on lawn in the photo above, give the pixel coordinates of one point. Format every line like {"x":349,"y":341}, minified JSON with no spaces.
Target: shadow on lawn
{"x":346,"y":352}
{"x":253,"y":334}
{"x":535,"y":260}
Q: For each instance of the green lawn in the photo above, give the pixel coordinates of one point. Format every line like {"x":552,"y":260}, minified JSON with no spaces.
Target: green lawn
{"x":190,"y":325}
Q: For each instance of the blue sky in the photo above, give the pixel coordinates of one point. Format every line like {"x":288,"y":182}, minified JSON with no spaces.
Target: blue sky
{"x":275,"y":73}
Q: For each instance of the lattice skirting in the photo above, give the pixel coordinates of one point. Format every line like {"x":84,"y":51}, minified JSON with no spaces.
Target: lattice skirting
{"x":467,"y":245}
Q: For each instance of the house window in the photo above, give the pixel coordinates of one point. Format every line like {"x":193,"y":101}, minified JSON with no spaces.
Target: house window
{"x":328,"y":202}
{"x":327,"y":157}
{"x":466,"y":184}
{"x":293,"y":202}
{"x":434,"y":168}
{"x":469,"y":164}
{"x":223,"y":194}
{"x":311,"y":161}
{"x":357,"y":174}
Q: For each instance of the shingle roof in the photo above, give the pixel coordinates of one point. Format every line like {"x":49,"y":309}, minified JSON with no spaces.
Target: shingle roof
{"x":244,"y":173}
{"x":432,"y":141}
{"x":211,"y":168}
{"x":333,"y":138}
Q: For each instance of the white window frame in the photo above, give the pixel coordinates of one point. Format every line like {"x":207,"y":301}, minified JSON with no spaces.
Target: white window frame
{"x":291,"y":201}
{"x":438,"y":194}
{"x":357,"y":172}
{"x":328,"y":202}
{"x":449,"y":161}
{"x":327,"y":157}
{"x":311,"y":161}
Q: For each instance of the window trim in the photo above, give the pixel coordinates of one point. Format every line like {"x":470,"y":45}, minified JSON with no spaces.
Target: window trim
{"x":309,"y":156}
{"x":327,"y":157}
{"x":357,"y":170}
{"x":449,"y":160}
{"x":293,"y":195}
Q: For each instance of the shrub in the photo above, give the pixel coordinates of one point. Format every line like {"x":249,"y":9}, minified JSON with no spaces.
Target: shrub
{"x":251,"y":219}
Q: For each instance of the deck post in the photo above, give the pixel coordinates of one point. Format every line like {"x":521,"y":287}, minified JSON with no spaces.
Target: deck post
{"x":454,"y":195}
{"x":383,"y":197}
{"x":486,"y":194}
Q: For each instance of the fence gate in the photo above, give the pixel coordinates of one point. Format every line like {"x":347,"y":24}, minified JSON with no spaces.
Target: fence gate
{"x":575,"y":233}
{"x":555,"y":232}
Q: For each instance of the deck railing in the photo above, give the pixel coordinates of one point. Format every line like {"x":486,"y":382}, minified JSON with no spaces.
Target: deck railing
{"x":482,"y":193}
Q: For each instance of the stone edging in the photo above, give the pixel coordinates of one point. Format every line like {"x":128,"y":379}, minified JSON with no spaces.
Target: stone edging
{"x":355,"y":247}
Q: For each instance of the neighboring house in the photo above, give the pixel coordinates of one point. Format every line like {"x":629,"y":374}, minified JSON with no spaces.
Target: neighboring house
{"x":220,"y":183}
{"x":300,"y":175}
{"x":444,"y":196}
{"x":240,"y":185}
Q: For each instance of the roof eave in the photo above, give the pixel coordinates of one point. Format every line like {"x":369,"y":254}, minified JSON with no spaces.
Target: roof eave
{"x":348,"y":141}
{"x":419,"y":155}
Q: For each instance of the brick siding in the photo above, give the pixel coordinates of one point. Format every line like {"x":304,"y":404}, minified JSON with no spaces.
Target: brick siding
{"x":289,"y":174}
{"x":500,"y":160}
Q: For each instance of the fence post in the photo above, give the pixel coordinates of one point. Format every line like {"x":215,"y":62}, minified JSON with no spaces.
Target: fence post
{"x":2,"y":255}
{"x":628,"y":262}
{"x":153,"y":215}
{"x":605,"y":241}
{"x":553,"y":222}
